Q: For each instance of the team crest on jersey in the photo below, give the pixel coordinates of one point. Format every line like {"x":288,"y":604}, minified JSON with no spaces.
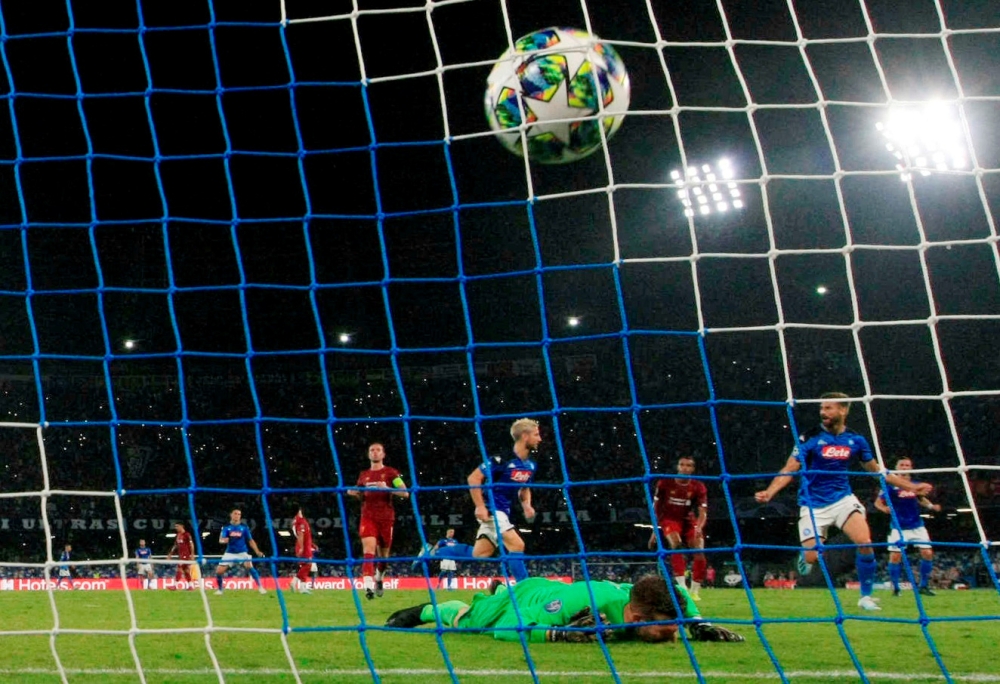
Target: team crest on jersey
{"x":553,"y":606}
{"x":837,"y":453}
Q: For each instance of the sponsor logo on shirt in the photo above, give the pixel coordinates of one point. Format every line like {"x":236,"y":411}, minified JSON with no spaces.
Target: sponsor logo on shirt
{"x":520,"y":476}
{"x":905,"y":494}
{"x":236,"y":533}
{"x":838,"y":453}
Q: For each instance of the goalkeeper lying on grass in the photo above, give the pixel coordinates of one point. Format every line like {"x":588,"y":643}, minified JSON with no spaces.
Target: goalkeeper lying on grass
{"x":545,"y":606}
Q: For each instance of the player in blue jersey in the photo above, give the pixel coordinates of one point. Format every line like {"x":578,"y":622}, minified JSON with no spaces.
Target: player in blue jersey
{"x":825,"y":496}
{"x":65,"y":568}
{"x":143,"y":559}
{"x":236,"y":538}
{"x":505,"y":477}
{"x":907,"y":505}
{"x":446,"y":575}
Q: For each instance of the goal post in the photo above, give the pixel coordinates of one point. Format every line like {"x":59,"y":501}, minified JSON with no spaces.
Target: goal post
{"x":241,"y":242}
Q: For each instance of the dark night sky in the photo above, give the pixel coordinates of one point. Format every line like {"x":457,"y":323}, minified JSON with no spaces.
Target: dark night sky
{"x":225,"y":190}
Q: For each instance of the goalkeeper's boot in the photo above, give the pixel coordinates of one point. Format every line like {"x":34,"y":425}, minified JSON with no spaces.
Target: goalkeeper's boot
{"x":379,"y":588}
{"x":868,"y":603}
{"x":695,"y":595}
{"x":406,"y":618}
{"x":926,"y":591}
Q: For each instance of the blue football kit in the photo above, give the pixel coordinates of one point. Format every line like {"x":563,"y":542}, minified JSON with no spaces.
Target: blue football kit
{"x":830,"y":456}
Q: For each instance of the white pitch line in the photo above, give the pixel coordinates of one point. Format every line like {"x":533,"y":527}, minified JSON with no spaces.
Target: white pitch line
{"x":686,"y":674}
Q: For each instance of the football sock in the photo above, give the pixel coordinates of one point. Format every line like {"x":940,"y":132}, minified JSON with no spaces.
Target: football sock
{"x":926,"y":567}
{"x":895,"y":572}
{"x":255,"y":575}
{"x":368,"y":566}
{"x":678,"y":563}
{"x":218,"y":582}
{"x":865,"y":563}
{"x":698,"y":566}
{"x":516,"y":564}
{"x":447,"y":609}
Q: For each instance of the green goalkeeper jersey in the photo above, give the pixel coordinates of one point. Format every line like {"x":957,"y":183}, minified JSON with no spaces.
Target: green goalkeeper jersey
{"x":544,"y":603}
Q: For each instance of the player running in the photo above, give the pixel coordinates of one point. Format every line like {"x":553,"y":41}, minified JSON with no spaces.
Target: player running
{"x":184,"y":548}
{"x":506,"y":477}
{"x":143,"y":558}
{"x":304,"y":549}
{"x":825,"y":496}
{"x":681,"y":508}
{"x":379,"y":485}
{"x":907,"y":507}
{"x":236,"y":538}
{"x":543,"y":606}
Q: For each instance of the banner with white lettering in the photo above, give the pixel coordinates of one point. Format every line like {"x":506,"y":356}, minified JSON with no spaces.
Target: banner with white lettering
{"x":238,"y":583}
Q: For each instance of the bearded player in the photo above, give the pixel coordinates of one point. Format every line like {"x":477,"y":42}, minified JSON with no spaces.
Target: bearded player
{"x":184,"y":548}
{"x":681,"y":507}
{"x":378,"y":486}
{"x":825,"y":496}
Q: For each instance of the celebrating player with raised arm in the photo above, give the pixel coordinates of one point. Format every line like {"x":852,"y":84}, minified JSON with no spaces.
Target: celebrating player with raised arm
{"x":543,"y":606}
{"x":379,"y":484}
{"x":236,"y":538}
{"x":143,"y":558}
{"x":184,"y":548}
{"x":303,"y":549}
{"x":825,"y":496}
{"x":907,"y":505}
{"x":681,"y":508}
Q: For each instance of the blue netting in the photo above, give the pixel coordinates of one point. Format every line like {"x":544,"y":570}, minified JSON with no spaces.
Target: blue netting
{"x":307,"y":252}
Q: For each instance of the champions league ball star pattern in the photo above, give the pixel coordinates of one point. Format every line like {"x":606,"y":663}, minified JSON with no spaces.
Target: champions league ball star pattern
{"x":557,"y":77}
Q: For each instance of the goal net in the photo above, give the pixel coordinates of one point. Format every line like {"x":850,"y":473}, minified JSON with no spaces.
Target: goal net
{"x":241,"y":242}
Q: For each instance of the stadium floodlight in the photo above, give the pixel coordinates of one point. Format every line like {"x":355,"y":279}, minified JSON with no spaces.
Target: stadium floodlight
{"x":344,"y":338}
{"x":573,"y":321}
{"x":822,"y":290}
{"x":924,"y":139}
{"x":706,"y":190}
{"x":130,"y":344}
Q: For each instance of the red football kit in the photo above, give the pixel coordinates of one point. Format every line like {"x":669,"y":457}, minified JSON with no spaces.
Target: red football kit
{"x":377,"y":513}
{"x":303,"y":546}
{"x":185,"y":551}
{"x":677,"y":504}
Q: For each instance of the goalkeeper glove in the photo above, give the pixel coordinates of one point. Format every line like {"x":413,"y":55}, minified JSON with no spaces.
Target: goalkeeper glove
{"x":705,"y":631}
{"x":582,"y":619}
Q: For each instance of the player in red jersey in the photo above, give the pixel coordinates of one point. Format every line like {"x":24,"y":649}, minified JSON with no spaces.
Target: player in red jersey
{"x":303,"y":549}
{"x":184,"y":548}
{"x":681,"y":507}
{"x":379,"y":484}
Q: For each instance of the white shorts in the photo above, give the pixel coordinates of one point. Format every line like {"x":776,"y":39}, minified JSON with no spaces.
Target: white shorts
{"x":232,"y":558}
{"x":448,"y":566}
{"x":64,"y":572}
{"x":145,"y":568}
{"x":488,"y":528}
{"x":313,"y":567}
{"x":918,"y":534}
{"x":835,"y":514}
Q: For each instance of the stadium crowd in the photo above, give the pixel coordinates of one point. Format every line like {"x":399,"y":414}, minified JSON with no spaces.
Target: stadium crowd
{"x":610,"y":455}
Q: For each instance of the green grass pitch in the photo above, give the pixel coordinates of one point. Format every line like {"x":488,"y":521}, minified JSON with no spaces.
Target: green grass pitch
{"x":325,"y":645}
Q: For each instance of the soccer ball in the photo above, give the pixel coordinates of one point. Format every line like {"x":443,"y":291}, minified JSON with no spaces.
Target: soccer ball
{"x":557,"y":77}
